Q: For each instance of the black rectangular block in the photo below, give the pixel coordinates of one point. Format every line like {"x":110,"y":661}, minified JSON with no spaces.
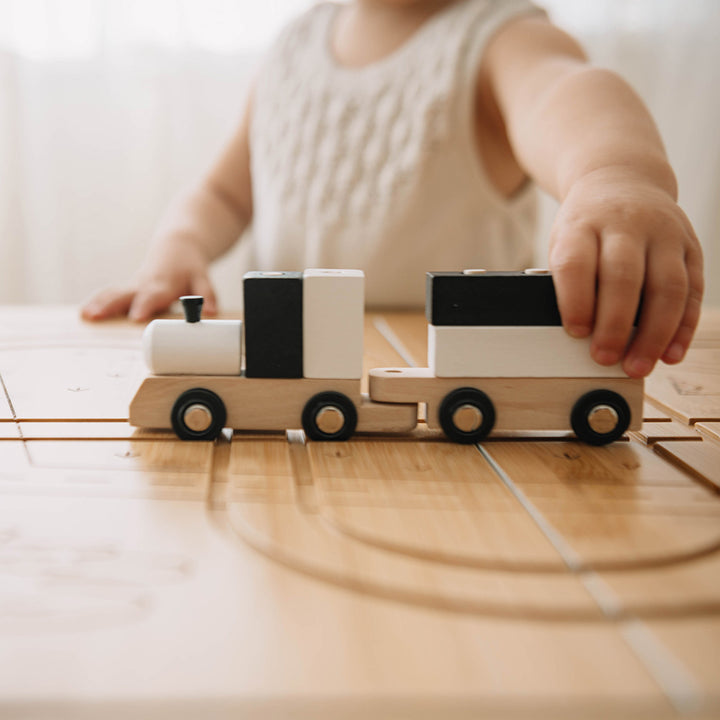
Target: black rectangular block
{"x":491,"y":298}
{"x":273,"y":324}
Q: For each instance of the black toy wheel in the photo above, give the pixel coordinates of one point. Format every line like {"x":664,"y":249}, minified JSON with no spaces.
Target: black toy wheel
{"x":467,"y":415}
{"x":198,"y":414}
{"x":329,"y":416}
{"x":600,"y":417}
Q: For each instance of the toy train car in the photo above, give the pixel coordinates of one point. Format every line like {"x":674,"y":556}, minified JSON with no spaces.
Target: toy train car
{"x":498,"y":359}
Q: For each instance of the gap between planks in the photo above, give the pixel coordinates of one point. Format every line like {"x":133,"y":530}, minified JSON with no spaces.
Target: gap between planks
{"x":670,"y":674}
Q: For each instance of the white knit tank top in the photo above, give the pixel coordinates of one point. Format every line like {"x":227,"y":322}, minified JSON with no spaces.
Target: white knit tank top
{"x":377,"y":168}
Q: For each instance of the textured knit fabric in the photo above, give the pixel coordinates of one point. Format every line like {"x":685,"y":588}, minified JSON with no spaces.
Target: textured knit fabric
{"x":377,"y":167}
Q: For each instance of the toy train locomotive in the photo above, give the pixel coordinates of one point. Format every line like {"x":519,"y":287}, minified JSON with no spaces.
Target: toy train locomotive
{"x":498,"y":360}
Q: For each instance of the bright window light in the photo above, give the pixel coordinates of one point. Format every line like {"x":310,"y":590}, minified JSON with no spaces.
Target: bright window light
{"x":57,"y":29}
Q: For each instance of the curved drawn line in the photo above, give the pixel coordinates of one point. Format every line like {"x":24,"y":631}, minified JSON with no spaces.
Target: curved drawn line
{"x":260,"y":542}
{"x":515,"y":566}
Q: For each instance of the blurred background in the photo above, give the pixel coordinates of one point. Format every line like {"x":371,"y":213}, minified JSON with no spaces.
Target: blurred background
{"x":109,"y":108}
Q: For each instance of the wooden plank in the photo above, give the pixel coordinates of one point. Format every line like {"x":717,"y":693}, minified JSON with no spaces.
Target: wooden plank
{"x":653,"y":414}
{"x":267,"y":508}
{"x":709,"y":430}
{"x":295,"y":535}
{"x":259,"y":469}
{"x":700,"y":459}
{"x":71,"y":383}
{"x":135,"y":571}
{"x":434,"y":501}
{"x":36,"y":326}
{"x":650,"y":533}
{"x":689,"y":391}
{"x":652,"y":432}
{"x":88,"y":430}
{"x":618,"y":506}
{"x":275,"y":530}
{"x":285,"y":512}
{"x":684,"y":590}
{"x":160,"y":456}
{"x":695,"y":642}
{"x":9,"y":431}
{"x":117,"y":468}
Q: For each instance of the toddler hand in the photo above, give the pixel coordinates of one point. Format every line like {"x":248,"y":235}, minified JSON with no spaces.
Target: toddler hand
{"x":618,"y":235}
{"x":178,"y":269}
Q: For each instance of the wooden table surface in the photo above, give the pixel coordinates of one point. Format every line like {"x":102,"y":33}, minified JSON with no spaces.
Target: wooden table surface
{"x":396,"y":576}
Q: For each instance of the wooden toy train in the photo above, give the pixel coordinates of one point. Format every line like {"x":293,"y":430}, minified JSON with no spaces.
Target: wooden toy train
{"x":498,"y":359}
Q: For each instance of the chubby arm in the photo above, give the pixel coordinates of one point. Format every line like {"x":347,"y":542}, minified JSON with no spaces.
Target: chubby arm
{"x":585,"y":137}
{"x":196,"y":230}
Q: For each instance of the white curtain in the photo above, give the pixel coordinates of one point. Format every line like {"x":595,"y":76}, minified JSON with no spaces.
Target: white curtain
{"x":109,"y":107}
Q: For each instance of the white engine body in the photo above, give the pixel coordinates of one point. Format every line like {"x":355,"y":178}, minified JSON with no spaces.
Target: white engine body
{"x":208,"y":347}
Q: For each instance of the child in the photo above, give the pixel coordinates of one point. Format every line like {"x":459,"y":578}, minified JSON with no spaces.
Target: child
{"x":399,"y":136}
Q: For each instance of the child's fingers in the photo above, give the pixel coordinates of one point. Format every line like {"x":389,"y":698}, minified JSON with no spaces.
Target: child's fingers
{"x":573,"y":261}
{"x":680,"y":342}
{"x":108,"y":303}
{"x":146,"y":304}
{"x":620,"y":279}
{"x":664,"y":302}
{"x":201,"y":285}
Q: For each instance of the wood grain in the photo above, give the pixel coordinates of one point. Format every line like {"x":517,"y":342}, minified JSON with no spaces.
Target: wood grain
{"x":294,"y":535}
{"x":617,"y":506}
{"x":696,"y":644}
{"x":263,"y":403}
{"x":700,"y":459}
{"x":689,"y":391}
{"x":709,"y":430}
{"x":652,"y":432}
{"x":688,"y":590}
{"x":653,"y":414}
{"x":71,"y":382}
{"x":433,"y":501}
{"x":160,"y":585}
{"x":162,"y":469}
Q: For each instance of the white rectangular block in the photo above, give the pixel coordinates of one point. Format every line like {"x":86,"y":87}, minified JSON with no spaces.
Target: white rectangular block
{"x":511,"y":352}
{"x":333,"y":310}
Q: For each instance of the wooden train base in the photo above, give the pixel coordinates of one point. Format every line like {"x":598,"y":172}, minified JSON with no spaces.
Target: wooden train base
{"x":198,"y":407}
{"x":599,"y":411}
